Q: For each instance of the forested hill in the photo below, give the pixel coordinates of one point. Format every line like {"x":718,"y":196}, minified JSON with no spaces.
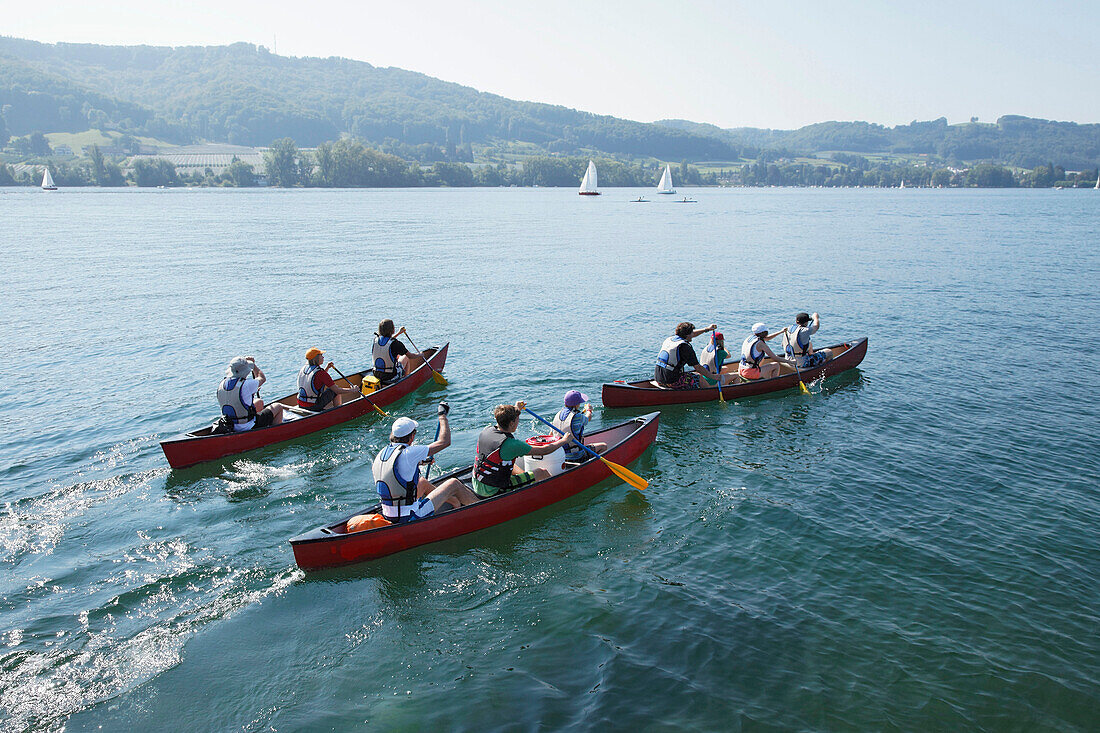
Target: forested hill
{"x":243,"y":94}
{"x":1012,"y":140}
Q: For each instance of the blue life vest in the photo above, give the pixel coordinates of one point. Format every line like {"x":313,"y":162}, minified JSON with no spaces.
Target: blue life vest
{"x":307,"y":391}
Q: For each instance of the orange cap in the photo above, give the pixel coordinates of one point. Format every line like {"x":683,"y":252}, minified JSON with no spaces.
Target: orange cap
{"x":313,"y":353}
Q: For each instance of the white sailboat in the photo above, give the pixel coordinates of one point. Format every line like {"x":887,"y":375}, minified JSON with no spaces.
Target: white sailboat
{"x":665,"y":186}
{"x":901,"y":186}
{"x":47,"y":181}
{"x":1098,"y":180}
{"x":588,"y":183}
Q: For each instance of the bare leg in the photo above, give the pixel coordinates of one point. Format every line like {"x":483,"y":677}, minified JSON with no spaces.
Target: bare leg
{"x":457,"y":494}
{"x":276,"y":413}
{"x":598,"y":447}
{"x":769,"y":370}
{"x":410,"y":362}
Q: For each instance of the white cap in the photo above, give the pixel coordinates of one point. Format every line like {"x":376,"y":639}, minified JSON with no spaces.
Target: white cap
{"x":239,"y":367}
{"x":759,"y":328}
{"x":403,"y":427}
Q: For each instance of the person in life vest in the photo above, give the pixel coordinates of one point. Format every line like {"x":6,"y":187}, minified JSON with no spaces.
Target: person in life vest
{"x":316,"y":389}
{"x":405,"y":494}
{"x":753,"y":352}
{"x":572,"y":419}
{"x":798,"y":346}
{"x":389,"y":357}
{"x":495,"y":468}
{"x":239,"y":397}
{"x":676,"y":354}
{"x":714,"y":354}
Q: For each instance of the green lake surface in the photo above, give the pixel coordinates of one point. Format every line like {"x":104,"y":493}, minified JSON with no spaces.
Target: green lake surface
{"x":913,"y":546}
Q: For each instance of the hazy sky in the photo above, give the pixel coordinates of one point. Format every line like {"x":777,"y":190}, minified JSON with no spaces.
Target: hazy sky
{"x":768,"y":63}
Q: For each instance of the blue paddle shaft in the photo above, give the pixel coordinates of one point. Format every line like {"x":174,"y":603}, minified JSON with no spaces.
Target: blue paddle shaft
{"x":588,"y":450}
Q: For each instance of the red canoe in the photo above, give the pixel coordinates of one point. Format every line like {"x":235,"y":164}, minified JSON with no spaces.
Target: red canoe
{"x":648,"y":394}
{"x":332,"y":545}
{"x":198,"y":446}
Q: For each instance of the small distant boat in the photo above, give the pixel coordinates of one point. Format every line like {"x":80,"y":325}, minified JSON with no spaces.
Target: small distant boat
{"x":639,"y":200}
{"x":588,"y":183}
{"x":902,"y":183}
{"x":665,"y":186}
{"x":1097,"y":186}
{"x":686,"y":200}
{"x":47,"y":181}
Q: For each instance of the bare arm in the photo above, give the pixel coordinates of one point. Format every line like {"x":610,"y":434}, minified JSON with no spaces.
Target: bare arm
{"x":543,"y":450}
{"x":701,"y":331}
{"x":444,"y":438}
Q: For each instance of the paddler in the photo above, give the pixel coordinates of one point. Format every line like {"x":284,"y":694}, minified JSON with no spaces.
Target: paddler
{"x":799,"y":347}
{"x":713,"y":354}
{"x":390,"y":357}
{"x":239,"y":397}
{"x":317,"y":391}
{"x":405,"y":494}
{"x":495,"y":468}
{"x":572,"y":419}
{"x":753,"y":352}
{"x":676,"y":354}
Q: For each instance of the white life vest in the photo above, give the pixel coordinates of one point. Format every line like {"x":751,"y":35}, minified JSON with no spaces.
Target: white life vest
{"x":751,"y":353}
{"x":397,"y":494}
{"x":798,"y":342}
{"x":563,"y":421}
{"x":384,"y":366}
{"x":709,"y":358}
{"x":306,"y":391}
{"x":669,"y":358}
{"x":232,"y":401}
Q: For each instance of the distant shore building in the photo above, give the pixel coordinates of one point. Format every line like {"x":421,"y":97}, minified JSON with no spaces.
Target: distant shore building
{"x":192,"y":159}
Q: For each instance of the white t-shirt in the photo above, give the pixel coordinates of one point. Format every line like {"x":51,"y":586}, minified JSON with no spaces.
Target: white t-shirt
{"x":248,"y":394}
{"x":409,"y":458}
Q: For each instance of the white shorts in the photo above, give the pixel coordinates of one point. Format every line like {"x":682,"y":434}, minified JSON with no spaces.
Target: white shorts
{"x":421,"y":509}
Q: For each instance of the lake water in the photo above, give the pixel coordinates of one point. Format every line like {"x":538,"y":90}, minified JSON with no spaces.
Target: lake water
{"x":913,"y":546}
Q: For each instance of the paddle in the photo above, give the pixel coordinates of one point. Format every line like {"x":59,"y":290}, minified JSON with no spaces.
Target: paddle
{"x":794,"y":362}
{"x":376,"y":407}
{"x":439,"y":378}
{"x":625,"y":474}
{"x":431,"y":459}
{"x":718,"y":365}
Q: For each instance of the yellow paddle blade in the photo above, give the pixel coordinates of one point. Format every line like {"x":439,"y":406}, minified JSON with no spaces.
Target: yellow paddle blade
{"x":802,"y":388}
{"x":439,"y":378}
{"x":381,"y":412}
{"x":626,"y":475}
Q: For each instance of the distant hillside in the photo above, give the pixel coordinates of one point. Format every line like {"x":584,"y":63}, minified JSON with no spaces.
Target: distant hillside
{"x":243,"y":94}
{"x":1012,"y":140}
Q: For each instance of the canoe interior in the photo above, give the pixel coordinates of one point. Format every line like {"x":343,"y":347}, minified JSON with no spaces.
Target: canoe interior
{"x":612,"y":436}
{"x":291,"y":400}
{"x":731,"y":369}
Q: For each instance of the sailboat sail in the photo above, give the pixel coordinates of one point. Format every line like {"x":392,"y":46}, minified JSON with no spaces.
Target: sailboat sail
{"x":1098,"y":179}
{"x":665,"y":186}
{"x":588,"y":183}
{"x":47,"y":180}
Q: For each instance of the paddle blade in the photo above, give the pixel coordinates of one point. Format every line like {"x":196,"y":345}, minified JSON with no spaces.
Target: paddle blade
{"x":802,"y":388}
{"x":626,"y":475}
{"x":379,"y":410}
{"x":439,"y":378}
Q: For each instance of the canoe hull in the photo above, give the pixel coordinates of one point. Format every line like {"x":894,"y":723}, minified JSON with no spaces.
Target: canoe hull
{"x":643,"y":394}
{"x":331,"y":546}
{"x":189,"y":448}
